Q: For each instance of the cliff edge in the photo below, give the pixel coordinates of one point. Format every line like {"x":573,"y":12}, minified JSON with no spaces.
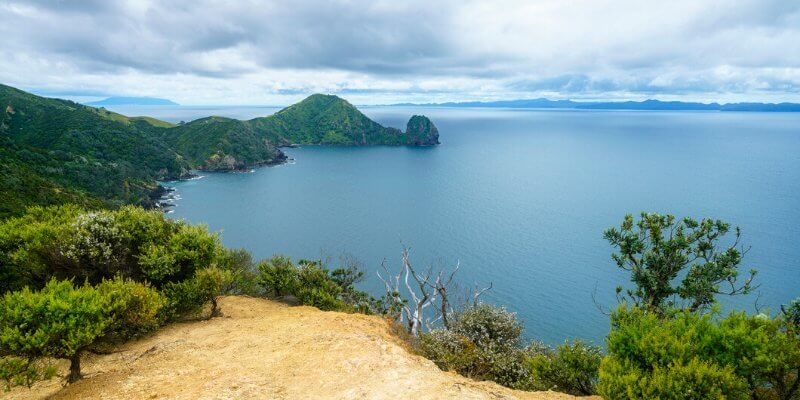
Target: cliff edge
{"x":262,"y":349}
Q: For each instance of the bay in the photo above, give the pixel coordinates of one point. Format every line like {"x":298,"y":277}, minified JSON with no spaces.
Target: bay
{"x":520,"y":199}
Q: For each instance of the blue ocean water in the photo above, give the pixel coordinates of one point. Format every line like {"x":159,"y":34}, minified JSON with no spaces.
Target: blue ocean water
{"x":520,"y":198}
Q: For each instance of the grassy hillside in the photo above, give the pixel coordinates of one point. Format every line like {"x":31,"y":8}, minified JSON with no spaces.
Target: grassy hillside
{"x":58,"y":151}
{"x":326,"y":119}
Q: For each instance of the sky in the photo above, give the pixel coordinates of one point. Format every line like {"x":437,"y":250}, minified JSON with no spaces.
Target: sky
{"x":381,"y":52}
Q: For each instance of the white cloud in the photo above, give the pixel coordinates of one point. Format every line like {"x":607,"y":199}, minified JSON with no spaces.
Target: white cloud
{"x":254,"y":52}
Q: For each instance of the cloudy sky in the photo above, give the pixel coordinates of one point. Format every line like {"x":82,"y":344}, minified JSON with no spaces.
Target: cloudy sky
{"x":373,"y":52}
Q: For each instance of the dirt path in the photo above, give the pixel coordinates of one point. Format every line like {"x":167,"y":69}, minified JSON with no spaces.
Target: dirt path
{"x":266,"y":350}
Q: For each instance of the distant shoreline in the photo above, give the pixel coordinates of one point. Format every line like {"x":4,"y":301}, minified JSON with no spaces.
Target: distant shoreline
{"x":646,"y":105}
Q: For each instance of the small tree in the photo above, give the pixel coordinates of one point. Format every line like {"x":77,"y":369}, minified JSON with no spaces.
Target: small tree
{"x":59,"y":321}
{"x":683,"y":259}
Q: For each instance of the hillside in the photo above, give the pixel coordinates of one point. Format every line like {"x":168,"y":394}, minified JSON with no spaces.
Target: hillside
{"x":263,"y":349}
{"x":326,"y":119}
{"x":58,"y":151}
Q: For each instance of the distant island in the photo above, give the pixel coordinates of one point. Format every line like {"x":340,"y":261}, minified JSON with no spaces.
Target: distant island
{"x":132,"y":101}
{"x":619,"y":105}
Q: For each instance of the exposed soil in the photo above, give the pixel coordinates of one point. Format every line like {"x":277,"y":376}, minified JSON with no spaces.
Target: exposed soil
{"x":262,"y":349}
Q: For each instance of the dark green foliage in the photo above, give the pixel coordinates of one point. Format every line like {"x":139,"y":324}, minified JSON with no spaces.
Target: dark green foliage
{"x":671,"y":259}
{"x":420,"y":131}
{"x":222,"y":144}
{"x":570,"y":367}
{"x":97,"y":156}
{"x":667,"y":356}
{"x":57,"y":151}
{"x":326,"y":119}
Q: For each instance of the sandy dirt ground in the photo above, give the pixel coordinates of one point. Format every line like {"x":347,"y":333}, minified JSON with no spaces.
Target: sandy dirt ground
{"x":262,"y":349}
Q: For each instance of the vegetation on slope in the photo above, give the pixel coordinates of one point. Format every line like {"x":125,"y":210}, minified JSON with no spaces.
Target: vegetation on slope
{"x":222,"y":144}
{"x":327,"y":119}
{"x":58,"y":151}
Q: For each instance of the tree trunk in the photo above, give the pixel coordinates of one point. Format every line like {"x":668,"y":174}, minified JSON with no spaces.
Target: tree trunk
{"x":75,"y":368}
{"x":214,"y":308}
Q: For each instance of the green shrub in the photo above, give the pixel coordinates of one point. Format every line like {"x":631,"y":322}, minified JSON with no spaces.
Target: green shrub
{"x":278,"y":276}
{"x":59,"y":321}
{"x":738,"y":356}
{"x":489,"y":327}
{"x":570,"y":368}
{"x":451,"y":352}
{"x":20,"y":371}
{"x":65,"y":242}
{"x":188,"y":298}
{"x":135,"y":308}
{"x":483,"y":343}
{"x":317,"y":288}
{"x":245,"y":278}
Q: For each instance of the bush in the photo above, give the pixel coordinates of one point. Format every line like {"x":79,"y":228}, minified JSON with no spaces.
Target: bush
{"x":65,"y":242}
{"x":314,"y":285}
{"x":451,"y":352}
{"x":243,"y":271}
{"x":60,"y":321}
{"x":482,"y":343}
{"x":188,"y":298}
{"x":317,"y":288}
{"x":570,"y":368}
{"x":135,"y":308}
{"x":739,"y":356}
{"x":488,"y":327}
{"x":278,"y":276}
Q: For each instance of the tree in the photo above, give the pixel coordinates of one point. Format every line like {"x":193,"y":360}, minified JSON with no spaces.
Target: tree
{"x":670,"y":260}
{"x":59,"y":321}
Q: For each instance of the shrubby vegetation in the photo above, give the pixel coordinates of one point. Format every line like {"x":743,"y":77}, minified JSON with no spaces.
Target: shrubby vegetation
{"x":312,"y":284}
{"x":74,"y":279}
{"x":671,"y":342}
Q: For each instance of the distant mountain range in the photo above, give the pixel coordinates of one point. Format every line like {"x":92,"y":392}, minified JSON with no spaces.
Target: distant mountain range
{"x":622,"y":105}
{"x":132,"y":101}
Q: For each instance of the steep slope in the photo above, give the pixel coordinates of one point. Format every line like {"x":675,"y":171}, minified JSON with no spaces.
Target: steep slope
{"x":266,"y":350}
{"x":99,"y":156}
{"x":222,"y":144}
{"x":327,"y":119}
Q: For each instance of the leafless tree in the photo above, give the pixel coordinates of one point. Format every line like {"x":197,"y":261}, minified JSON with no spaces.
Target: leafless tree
{"x":424,"y":290}
{"x":421,"y":297}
